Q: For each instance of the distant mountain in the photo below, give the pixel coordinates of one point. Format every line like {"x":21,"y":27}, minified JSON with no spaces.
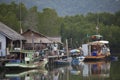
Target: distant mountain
{"x":72,"y":7}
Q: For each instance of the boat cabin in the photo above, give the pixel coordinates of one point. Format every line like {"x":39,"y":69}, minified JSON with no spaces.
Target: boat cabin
{"x":96,"y":48}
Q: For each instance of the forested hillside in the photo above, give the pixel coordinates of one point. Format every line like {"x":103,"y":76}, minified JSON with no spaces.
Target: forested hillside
{"x":76,"y":29}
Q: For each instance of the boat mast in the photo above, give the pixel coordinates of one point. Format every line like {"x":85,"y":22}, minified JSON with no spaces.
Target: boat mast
{"x":97,"y":26}
{"x":67,"y":48}
{"x":20,"y":4}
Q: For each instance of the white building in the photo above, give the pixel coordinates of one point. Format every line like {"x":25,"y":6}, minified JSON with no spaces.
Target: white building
{"x":8,"y":39}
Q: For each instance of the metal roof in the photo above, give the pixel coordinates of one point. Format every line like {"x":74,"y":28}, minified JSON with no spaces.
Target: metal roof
{"x":10,"y":33}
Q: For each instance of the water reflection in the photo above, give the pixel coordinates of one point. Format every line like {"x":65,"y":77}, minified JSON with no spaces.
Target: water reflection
{"x":92,"y":69}
{"x":83,"y":70}
{"x":34,"y":74}
{"x":101,"y":69}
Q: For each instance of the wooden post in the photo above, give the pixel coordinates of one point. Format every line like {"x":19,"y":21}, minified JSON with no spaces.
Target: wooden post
{"x":33,"y":41}
{"x":11,"y":45}
{"x":20,"y":48}
{"x":67,"y":48}
{"x":21,"y":44}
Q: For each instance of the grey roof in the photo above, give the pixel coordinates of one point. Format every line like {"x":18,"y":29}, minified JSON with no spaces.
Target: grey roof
{"x":55,"y":39}
{"x":10,"y":33}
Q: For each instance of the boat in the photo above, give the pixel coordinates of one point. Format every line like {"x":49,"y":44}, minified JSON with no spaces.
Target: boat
{"x":77,"y":55}
{"x":25,"y":59}
{"x":65,"y":61}
{"x":97,"y":49}
{"x":77,"y":61}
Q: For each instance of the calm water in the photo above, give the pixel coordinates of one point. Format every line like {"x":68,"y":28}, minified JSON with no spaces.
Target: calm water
{"x":100,"y":70}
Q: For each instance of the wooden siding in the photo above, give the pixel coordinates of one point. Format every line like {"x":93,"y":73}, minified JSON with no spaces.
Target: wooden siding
{"x":34,"y":37}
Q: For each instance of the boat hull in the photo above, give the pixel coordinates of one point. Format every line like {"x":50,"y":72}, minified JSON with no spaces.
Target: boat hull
{"x":40,"y":64}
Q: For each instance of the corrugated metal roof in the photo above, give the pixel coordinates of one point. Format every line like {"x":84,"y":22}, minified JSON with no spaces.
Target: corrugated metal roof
{"x":9,"y":33}
{"x":55,"y":39}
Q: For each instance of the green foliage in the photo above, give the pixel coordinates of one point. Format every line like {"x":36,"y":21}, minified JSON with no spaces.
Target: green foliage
{"x":80,"y":27}
{"x":77,"y":29}
{"x":31,"y":19}
{"x":49,"y":22}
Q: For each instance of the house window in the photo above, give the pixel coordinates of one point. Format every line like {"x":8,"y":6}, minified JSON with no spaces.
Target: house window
{"x":0,"y":45}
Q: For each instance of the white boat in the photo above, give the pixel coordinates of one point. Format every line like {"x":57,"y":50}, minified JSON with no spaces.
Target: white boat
{"x":97,"y":49}
{"x":25,"y":59}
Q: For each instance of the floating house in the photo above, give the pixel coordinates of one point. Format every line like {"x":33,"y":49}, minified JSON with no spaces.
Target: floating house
{"x":35,"y":40}
{"x":9,"y":39}
{"x":39,"y":42}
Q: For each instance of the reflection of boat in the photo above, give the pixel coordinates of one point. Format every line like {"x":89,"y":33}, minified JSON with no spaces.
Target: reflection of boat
{"x":75,"y":72}
{"x":94,"y":69}
{"x":91,"y":69}
{"x":25,"y":59}
{"x":97,"y":49}
{"x":77,"y":68}
{"x":27,"y":75}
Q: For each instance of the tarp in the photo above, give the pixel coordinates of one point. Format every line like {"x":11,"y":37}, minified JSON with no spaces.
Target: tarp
{"x":74,"y":51}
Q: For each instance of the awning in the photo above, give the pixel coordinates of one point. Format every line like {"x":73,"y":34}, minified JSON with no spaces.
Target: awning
{"x":74,"y":51}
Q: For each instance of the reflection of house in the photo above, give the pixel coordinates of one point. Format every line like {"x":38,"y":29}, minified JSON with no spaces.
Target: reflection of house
{"x":35,"y":40}
{"x":9,"y":39}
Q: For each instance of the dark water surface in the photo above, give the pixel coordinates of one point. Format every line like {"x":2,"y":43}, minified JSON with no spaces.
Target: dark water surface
{"x":99,"y":70}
